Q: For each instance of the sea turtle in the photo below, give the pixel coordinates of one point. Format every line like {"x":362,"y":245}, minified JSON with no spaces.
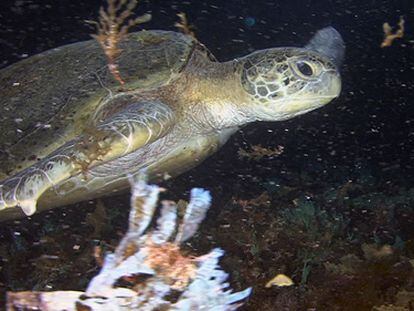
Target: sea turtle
{"x":69,"y":132}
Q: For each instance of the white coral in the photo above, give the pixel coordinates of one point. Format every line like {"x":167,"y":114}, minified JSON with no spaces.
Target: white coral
{"x":199,"y":283}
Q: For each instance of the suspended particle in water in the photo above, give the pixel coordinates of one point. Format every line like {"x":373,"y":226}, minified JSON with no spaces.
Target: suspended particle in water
{"x":249,"y":21}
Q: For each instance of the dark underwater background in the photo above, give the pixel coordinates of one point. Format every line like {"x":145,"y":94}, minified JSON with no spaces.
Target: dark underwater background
{"x":334,"y":211}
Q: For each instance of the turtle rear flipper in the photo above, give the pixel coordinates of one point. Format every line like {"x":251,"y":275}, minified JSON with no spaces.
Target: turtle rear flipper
{"x":133,"y":127}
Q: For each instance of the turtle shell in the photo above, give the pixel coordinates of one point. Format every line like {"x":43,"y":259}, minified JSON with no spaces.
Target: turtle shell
{"x":50,"y":98}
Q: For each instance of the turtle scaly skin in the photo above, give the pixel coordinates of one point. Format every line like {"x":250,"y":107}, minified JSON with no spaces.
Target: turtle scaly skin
{"x":70,"y":134}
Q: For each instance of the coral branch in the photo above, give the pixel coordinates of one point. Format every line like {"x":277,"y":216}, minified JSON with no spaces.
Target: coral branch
{"x":112,"y":28}
{"x":389,"y":36}
{"x":184,"y":26}
{"x":194,"y":214}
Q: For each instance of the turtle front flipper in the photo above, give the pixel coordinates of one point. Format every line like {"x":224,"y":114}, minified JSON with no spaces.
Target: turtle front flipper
{"x":127,"y":130}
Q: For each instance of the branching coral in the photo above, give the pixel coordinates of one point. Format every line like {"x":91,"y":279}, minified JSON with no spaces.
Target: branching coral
{"x":389,"y":35}
{"x":184,"y":26}
{"x":153,"y":262}
{"x":112,"y":28}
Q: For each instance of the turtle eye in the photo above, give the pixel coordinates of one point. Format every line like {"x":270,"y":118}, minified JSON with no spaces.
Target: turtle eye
{"x":305,"y":69}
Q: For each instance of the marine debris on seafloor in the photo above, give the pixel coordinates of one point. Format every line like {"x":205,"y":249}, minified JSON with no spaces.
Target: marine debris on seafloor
{"x":280,"y":280}
{"x":151,"y":263}
{"x":113,"y":26}
{"x":389,"y":35}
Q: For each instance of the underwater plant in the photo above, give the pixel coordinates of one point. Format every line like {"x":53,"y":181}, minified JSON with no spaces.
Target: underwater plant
{"x":151,"y":263}
{"x":112,"y":28}
{"x":390,"y":36}
{"x":258,"y":152}
{"x":184,"y":26}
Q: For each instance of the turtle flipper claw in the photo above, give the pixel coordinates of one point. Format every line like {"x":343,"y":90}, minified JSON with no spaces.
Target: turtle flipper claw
{"x":28,"y":207}
{"x":15,"y":192}
{"x":137,"y":125}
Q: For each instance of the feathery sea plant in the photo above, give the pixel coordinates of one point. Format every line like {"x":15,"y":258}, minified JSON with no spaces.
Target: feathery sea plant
{"x":184,"y":26}
{"x":112,"y":28}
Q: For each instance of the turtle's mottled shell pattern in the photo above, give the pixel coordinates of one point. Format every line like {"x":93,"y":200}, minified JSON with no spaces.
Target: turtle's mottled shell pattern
{"x":51,"y":97}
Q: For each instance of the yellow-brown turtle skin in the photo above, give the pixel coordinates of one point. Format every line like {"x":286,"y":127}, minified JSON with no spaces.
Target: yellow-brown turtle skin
{"x":69,"y":132}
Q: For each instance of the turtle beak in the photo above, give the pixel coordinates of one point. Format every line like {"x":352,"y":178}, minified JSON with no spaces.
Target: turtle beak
{"x":328,"y":41}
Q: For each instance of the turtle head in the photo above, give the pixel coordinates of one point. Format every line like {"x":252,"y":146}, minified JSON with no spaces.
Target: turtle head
{"x":282,"y":83}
